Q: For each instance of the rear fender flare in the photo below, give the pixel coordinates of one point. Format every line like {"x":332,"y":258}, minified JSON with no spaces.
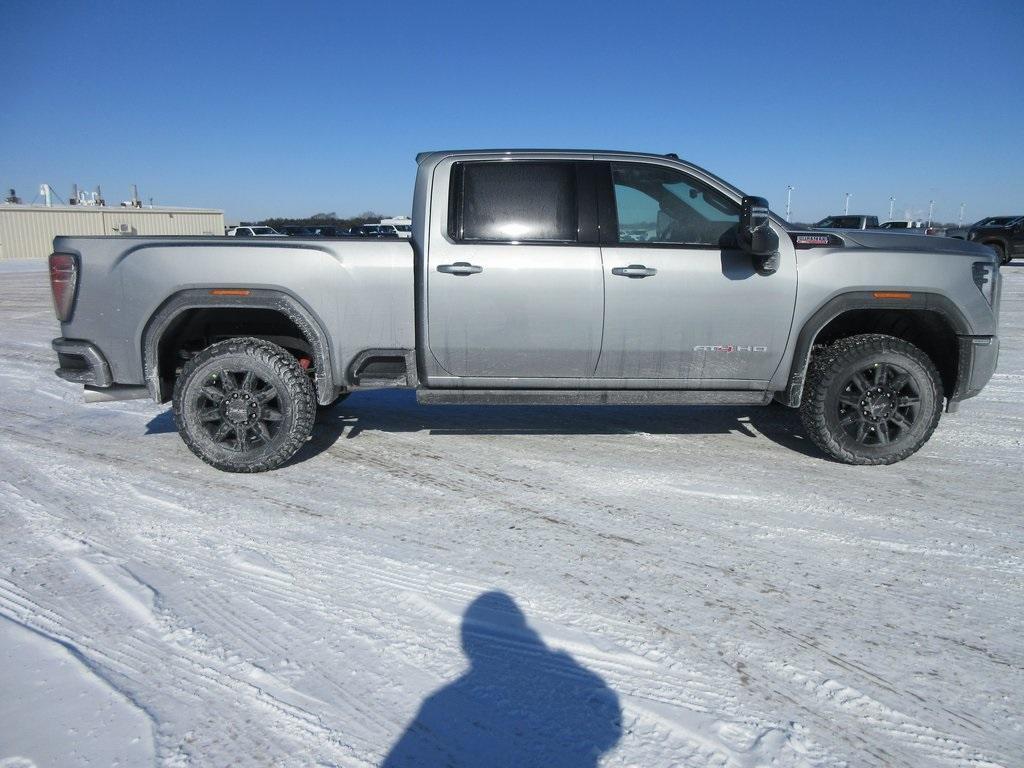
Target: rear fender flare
{"x":201,"y":298}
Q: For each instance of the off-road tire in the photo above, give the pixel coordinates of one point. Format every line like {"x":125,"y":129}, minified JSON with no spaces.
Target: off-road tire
{"x":266,"y":404}
{"x":834,"y":424}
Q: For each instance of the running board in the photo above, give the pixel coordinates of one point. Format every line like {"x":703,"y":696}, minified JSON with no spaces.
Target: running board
{"x":590,"y":397}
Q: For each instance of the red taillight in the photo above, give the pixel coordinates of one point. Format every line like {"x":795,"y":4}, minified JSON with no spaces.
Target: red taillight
{"x":63,"y":282}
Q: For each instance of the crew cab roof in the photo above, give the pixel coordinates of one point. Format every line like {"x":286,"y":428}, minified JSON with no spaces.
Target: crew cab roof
{"x":421,"y":156}
{"x":436,"y":156}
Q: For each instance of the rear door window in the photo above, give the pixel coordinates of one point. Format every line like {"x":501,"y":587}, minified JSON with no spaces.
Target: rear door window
{"x":529,"y":201}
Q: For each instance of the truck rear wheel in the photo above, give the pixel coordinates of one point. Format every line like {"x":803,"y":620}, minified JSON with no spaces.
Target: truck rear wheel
{"x":871,"y":399}
{"x":244,"y":405}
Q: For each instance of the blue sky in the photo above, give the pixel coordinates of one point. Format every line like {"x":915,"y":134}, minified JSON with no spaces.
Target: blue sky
{"x":293,"y":108}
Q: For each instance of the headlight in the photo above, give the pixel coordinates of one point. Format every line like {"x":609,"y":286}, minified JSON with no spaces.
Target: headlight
{"x":985,"y":273}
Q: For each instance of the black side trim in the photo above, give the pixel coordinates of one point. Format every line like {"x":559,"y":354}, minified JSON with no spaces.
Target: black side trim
{"x":383,"y":368}
{"x":976,"y":362}
{"x":587,"y":229}
{"x":590,"y":397}
{"x":607,"y":212}
{"x":200,"y":298}
{"x":847,"y":302}
{"x":81,"y":362}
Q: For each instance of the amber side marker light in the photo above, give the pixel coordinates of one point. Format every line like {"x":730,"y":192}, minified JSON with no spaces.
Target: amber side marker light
{"x":891,"y":295}
{"x":229,"y":292}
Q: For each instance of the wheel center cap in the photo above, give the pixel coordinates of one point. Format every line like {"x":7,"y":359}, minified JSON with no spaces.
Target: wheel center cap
{"x":237,"y":410}
{"x":879,"y":404}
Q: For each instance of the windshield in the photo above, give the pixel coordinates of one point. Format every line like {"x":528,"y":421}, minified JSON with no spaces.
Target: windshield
{"x":404,"y":228}
{"x":997,"y":221}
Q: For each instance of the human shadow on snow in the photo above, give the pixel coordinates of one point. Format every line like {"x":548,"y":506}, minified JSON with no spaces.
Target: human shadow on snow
{"x":519,"y":703}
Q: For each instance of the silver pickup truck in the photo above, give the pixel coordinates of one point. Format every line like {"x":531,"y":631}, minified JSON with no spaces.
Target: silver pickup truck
{"x":576,"y":277}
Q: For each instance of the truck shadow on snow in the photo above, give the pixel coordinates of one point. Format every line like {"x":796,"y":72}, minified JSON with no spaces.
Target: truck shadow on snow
{"x":396,"y":410}
{"x":518,"y":703}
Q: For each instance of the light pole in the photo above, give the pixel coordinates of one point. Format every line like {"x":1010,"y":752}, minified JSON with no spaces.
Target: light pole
{"x":931,"y":207}
{"x":846,"y":204}
{"x":960,"y":220}
{"x":892,"y":202}
{"x":789,"y":201}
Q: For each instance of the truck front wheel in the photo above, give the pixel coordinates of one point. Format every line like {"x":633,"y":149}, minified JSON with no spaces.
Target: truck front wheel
{"x":871,"y":399}
{"x":244,"y":405}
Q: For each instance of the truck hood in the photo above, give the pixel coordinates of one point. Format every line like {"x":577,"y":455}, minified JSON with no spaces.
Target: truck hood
{"x":907,"y":241}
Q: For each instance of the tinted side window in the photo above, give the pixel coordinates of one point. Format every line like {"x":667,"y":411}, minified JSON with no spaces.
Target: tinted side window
{"x":513,"y":201}
{"x":656,"y":204}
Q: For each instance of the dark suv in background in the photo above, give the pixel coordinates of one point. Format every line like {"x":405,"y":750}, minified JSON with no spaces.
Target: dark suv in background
{"x":847,"y":221}
{"x":1003,"y":234}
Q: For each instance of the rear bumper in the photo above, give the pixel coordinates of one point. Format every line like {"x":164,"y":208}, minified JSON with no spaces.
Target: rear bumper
{"x":82,"y":363}
{"x":978,"y":358}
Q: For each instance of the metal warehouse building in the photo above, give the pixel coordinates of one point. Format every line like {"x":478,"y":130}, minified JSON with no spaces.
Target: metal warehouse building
{"x":27,"y":231}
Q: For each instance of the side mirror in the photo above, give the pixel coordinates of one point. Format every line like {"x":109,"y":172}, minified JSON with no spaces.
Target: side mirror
{"x":756,"y":235}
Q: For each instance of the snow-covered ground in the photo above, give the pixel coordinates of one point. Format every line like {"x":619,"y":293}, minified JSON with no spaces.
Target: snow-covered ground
{"x":544,"y":586}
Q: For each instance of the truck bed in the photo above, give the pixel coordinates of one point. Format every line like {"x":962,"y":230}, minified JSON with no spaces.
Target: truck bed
{"x":359,"y":290}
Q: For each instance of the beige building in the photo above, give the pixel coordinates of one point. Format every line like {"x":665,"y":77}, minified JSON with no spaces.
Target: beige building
{"x":27,"y":231}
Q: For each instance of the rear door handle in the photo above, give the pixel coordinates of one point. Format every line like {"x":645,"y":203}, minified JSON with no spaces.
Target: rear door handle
{"x":635,"y":271}
{"x":459,"y":268}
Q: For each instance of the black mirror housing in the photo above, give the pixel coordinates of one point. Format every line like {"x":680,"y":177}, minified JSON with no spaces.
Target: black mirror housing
{"x":756,"y":235}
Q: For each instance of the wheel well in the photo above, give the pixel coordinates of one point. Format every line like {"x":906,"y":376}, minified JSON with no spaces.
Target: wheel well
{"x":928,"y":331}
{"x":193,"y":330}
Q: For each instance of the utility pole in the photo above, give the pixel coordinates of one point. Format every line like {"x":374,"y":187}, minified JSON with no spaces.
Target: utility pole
{"x":892,"y":202}
{"x":789,"y":201}
{"x":846,"y":205}
{"x":960,"y":220}
{"x":931,"y":207}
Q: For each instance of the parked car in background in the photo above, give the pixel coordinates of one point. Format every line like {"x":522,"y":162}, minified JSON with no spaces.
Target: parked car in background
{"x":293,"y":230}
{"x":1003,"y":234}
{"x":912,"y":227}
{"x":525,"y":291}
{"x":248,"y":231}
{"x":403,"y":231}
{"x":902,"y":224}
{"x":847,"y":221}
{"x":376,"y":230}
{"x":401,"y":224}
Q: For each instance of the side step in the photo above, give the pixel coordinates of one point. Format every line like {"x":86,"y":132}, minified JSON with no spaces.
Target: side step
{"x":590,"y":397}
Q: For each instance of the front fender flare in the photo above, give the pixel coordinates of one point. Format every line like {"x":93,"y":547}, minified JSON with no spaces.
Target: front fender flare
{"x":854,"y":300}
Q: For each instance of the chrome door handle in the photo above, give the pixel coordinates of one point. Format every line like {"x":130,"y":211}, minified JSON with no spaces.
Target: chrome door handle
{"x":459,"y":268}
{"x":635,"y":271}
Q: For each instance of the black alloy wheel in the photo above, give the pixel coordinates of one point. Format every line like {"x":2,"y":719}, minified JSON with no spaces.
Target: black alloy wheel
{"x":879,"y":404}
{"x":238,"y":409}
{"x":244,"y":405}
